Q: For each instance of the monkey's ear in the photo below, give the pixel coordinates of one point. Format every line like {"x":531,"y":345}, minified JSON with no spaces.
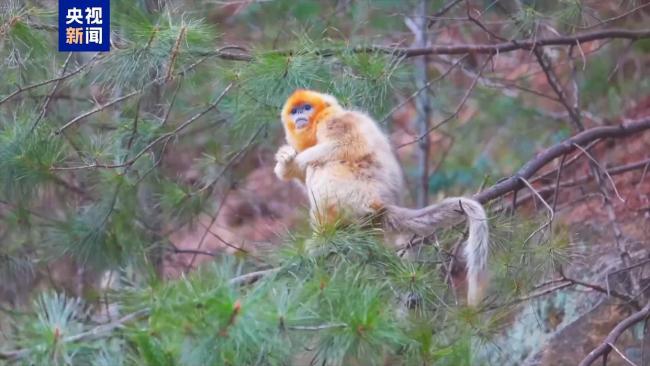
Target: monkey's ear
{"x":329,"y":100}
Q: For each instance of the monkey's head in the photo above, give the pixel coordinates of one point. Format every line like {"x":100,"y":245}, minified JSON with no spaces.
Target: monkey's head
{"x":302,"y":112}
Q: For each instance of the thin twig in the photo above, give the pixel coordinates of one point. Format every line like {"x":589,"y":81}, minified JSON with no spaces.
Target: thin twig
{"x":456,"y":112}
{"x":531,"y":296}
{"x":552,"y":79}
{"x":171,"y":103}
{"x":442,"y":12}
{"x":95,"y":110}
{"x":318,"y":327}
{"x":177,"y":250}
{"x":645,"y":171}
{"x":615,"y":18}
{"x":548,"y":207}
{"x":207,"y":229}
{"x":232,"y":160}
{"x":49,"y":81}
{"x":425,"y":86}
{"x":152,"y":82}
{"x":476,"y":21}
{"x":602,"y":290}
{"x":174,"y":54}
{"x":603,"y":170}
{"x":557,"y":182}
{"x":621,"y":354}
{"x":48,"y":99}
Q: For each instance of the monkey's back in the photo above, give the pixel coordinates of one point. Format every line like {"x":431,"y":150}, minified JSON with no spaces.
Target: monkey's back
{"x":362,"y":174}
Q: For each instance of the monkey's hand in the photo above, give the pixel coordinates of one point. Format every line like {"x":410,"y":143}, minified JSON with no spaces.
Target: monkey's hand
{"x":286,"y":167}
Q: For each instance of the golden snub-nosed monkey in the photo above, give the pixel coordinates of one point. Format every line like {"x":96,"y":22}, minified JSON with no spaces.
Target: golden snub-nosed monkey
{"x":349,"y":168}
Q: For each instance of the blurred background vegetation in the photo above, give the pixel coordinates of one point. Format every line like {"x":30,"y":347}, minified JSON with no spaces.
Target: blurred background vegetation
{"x":137,"y":188}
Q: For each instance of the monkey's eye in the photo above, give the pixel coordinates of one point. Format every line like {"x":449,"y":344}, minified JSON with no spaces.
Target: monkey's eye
{"x":294,"y":110}
{"x":307,"y":107}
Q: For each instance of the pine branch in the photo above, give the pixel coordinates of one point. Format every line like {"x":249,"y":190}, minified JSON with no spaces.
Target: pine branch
{"x":490,"y":49}
{"x":73,"y":121}
{"x":93,"y":333}
{"x":165,"y":136}
{"x":105,"y":329}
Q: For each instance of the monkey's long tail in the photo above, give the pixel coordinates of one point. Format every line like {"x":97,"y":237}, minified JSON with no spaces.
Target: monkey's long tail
{"x":445,"y":213}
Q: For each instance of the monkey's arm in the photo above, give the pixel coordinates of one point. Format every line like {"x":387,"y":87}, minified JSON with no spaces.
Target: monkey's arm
{"x":319,"y":153}
{"x":286,"y":167}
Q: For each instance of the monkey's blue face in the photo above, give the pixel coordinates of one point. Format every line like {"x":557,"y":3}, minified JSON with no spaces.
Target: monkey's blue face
{"x":301,"y":114}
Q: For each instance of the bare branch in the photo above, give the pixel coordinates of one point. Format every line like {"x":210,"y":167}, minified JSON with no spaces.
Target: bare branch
{"x":605,"y":347}
{"x":252,"y":276}
{"x":578,"y":181}
{"x":513,"y":183}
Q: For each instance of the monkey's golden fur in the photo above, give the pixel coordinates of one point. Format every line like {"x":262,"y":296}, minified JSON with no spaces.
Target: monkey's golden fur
{"x":350,"y":170}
